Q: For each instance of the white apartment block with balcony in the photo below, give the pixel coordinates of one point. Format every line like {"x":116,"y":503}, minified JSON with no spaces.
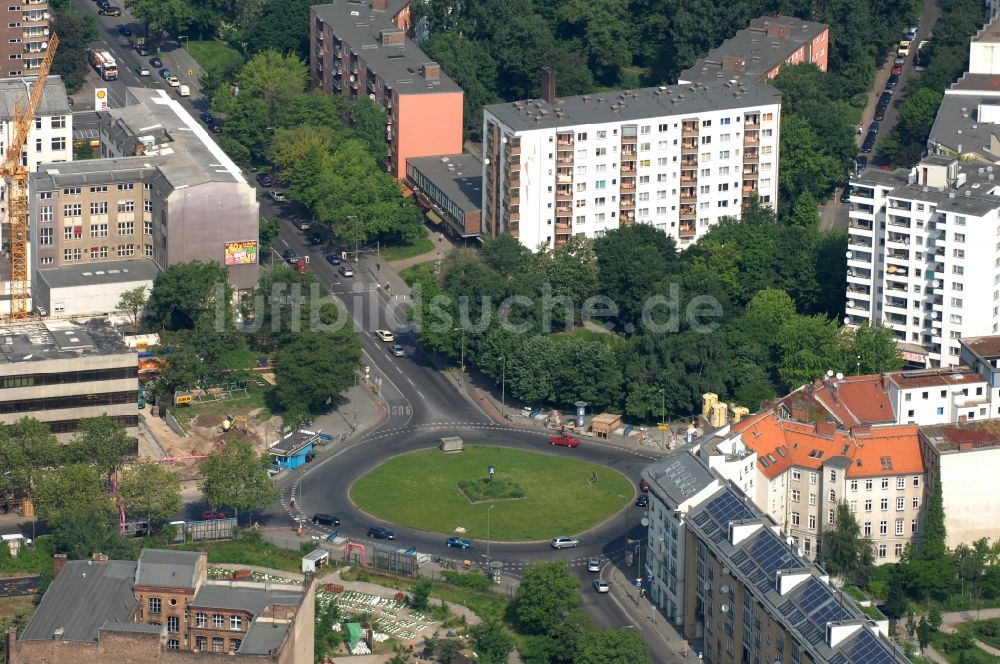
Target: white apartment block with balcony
{"x":678,"y":157}
{"x":923,"y":256}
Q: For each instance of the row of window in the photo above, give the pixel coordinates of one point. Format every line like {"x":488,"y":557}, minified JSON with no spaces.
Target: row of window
{"x":884,"y":504}
{"x":853,"y":484}
{"x":69,"y":426}
{"x":46,"y":214}
{"x":75,"y":401}
{"x":66,"y":377}
{"x":664,"y":127}
{"x":98,"y":189}
{"x":97,"y":253}
{"x":96,"y":230}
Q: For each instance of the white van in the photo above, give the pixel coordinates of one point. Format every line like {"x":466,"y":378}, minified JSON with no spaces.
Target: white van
{"x":184,"y":91}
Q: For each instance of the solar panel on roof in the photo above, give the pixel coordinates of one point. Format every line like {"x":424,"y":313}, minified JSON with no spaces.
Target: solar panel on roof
{"x":865,"y":648}
{"x":728,"y":507}
{"x":814,"y":595}
{"x":830,"y":613}
{"x":770,"y":553}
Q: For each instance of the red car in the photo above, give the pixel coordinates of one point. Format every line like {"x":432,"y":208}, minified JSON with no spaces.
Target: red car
{"x":209,"y":515}
{"x":644,"y":486}
{"x":564,"y":441}
{"x":301,"y":267}
{"x":897,"y":69}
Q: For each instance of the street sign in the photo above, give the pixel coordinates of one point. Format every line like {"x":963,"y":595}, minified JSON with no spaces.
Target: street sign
{"x":306,"y":259}
{"x":492,"y":470}
{"x":638,"y":582}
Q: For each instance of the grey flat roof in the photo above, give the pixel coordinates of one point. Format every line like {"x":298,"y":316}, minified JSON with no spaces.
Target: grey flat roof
{"x":252,"y":600}
{"x":458,"y":176}
{"x":957,"y":127}
{"x":633,"y":105}
{"x":134,"y":628}
{"x":193,"y":157}
{"x":263,"y":638}
{"x":110,"y":272}
{"x":14,"y":92}
{"x":50,"y":177}
{"x":679,"y":476}
{"x":167,"y":569}
{"x":758,"y":52}
{"x":975,"y":197}
{"x":989,"y":33}
{"x":85,"y":596}
{"x":54,"y":340}
{"x":398,"y":66}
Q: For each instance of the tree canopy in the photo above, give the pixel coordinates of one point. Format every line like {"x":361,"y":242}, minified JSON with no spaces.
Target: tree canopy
{"x":236,"y":476}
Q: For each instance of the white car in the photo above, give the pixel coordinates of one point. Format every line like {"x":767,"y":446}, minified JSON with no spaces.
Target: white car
{"x":564,"y":542}
{"x":173,"y":81}
{"x":594,"y":564}
{"x":385,"y":335}
{"x":142,"y":70}
{"x":601,"y":586}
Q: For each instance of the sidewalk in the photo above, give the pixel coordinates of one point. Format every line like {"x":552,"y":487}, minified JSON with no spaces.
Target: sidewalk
{"x":645,"y":613}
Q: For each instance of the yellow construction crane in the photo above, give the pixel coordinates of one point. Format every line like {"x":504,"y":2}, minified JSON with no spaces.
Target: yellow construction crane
{"x":15,"y":176}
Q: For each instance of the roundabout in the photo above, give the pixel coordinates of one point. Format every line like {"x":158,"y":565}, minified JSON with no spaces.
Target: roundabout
{"x":531,"y":496}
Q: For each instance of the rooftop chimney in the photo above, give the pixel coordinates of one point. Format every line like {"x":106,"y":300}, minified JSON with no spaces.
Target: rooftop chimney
{"x":733,"y":64}
{"x":776,"y":31}
{"x":548,"y":84}
{"x":431,"y":71}
{"x":380,"y":5}
{"x":392,"y":36}
{"x":58,"y":562}
{"x":100,"y":557}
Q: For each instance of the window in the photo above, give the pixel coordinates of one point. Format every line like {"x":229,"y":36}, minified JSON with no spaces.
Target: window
{"x":916,"y":502}
{"x":98,"y":252}
{"x":173,"y":644}
{"x":796,"y":475}
{"x":173,"y":624}
{"x":868,"y":485}
{"x":796,"y":495}
{"x":812,"y":498}
{"x":854,"y":506}
{"x":234,"y":644}
{"x":868,"y":528}
{"x":884,"y":504}
{"x":582,"y":136}
{"x":59,"y":143}
{"x":45,"y":195}
{"x":913,"y":526}
{"x":99,"y":207}
{"x":126,"y":250}
{"x":602,"y":134}
{"x":147,"y":206}
{"x":73,"y":210}
{"x":812,"y":478}
{"x":45,"y":237}
{"x":885,"y":482}
{"x":854,"y":485}
{"x":218,"y":621}
{"x":154,"y":605}
{"x":833,"y":496}
{"x":600,"y":184}
{"x":200,"y":620}
{"x":71,"y":191}
{"x":126,"y":206}
{"x":99,"y":190}
{"x":201,"y":643}
{"x":45,"y":214}
{"x":900,"y":482}
{"x":126,"y":227}
{"x":795,"y":518}
{"x":883,"y":528}
{"x":58,"y":122}
{"x":899,"y":526}
{"x":830,"y":517}
{"x":916,"y":480}
{"x":147,"y":228}
{"x":833,"y":475}
{"x":235,"y":622}
{"x":882,"y":549}
{"x":218,"y":644}
{"x":600,"y":152}
{"x":147,"y":250}
{"x":98,"y":230}
{"x":900,"y":504}
{"x":868,"y":505}
{"x":812,"y":521}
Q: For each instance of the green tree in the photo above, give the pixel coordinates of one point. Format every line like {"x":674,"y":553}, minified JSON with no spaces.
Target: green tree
{"x":27,"y":448}
{"x":75,"y":29}
{"x":184,"y":292}
{"x":845,"y":552}
{"x":572,"y":635}
{"x":615,"y":646}
{"x":62,"y":489}
{"x":103,"y":442}
{"x":270,"y":228}
{"x":934,"y":546}
{"x":875,"y":350}
{"x":547,"y":590}
{"x":170,"y":16}
{"x":282,"y":26}
{"x":420,"y":594}
{"x":805,"y":211}
{"x":150,"y":490}
{"x":87,"y":528}
{"x":473,"y":68}
{"x":809,"y":346}
{"x":631,"y":261}
{"x":805,"y":164}
{"x":236,"y":476}
{"x":273,"y":78}
{"x":131,"y":303}
{"x":313,"y":368}
{"x":493,"y":645}
{"x":600,"y":30}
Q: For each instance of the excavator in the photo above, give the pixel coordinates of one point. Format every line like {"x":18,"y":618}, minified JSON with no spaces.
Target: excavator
{"x":15,"y":176}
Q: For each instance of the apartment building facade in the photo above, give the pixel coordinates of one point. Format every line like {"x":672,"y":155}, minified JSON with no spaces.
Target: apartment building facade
{"x":151,"y":196}
{"x":361,"y":49}
{"x":450,"y":188}
{"x":24,"y":36}
{"x":922,"y":256}
{"x":760,"y":50}
{"x":678,"y":157}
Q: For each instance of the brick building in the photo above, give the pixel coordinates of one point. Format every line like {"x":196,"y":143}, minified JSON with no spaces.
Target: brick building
{"x":24,"y":36}
{"x":361,"y":48}
{"x":163,"y":608}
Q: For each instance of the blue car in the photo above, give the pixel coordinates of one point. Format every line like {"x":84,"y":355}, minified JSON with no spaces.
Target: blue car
{"x":333,"y":259}
{"x":206,"y":117}
{"x":459,"y":543}
{"x":164,"y":73}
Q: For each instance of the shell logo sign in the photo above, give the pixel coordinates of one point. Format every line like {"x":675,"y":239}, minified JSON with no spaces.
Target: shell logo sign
{"x":101,"y":99}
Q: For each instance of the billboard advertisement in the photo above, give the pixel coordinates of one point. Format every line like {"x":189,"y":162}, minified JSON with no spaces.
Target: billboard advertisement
{"x":101,"y":99}
{"x":241,"y":253}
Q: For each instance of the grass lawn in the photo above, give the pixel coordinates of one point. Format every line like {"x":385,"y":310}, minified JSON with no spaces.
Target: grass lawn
{"x":420,"y":490}
{"x":607,"y":338}
{"x":257,"y":399}
{"x":421,"y":272}
{"x":955,"y":655}
{"x":486,"y":605}
{"x":249,"y":551}
{"x":398,"y":252}
{"x":215,"y":55}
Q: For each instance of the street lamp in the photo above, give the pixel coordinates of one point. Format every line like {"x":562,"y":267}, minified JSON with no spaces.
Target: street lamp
{"x":488,"y":510}
{"x":503,"y":387}
{"x":663,"y":414}
{"x":627,"y":542}
{"x":463,"y":350}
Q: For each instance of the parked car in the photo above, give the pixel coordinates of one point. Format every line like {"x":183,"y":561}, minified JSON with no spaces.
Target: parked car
{"x":124,"y":30}
{"x":385,"y":335}
{"x":458,"y":543}
{"x":644,"y":486}
{"x":206,"y":117}
{"x":278,"y":196}
{"x":326,"y":519}
{"x":174,"y":82}
{"x":845,"y":195}
{"x":594,"y":564}
{"x":216,"y":129}
{"x":301,"y":267}
{"x":378,"y":532}
{"x":890,"y":84}
{"x":209,"y":515}
{"x":879,"y":113}
{"x":315,"y":238}
{"x":860,"y":164}
{"x":601,"y":586}
{"x":873,"y":128}
{"x":142,"y":70}
{"x":397,"y":350}
{"x":290,"y":255}
{"x":265,"y":180}
{"x":155,"y":63}
{"x":141,"y":50}
{"x":642,"y":501}
{"x":333,"y":259}
{"x":164,"y":73}
{"x":564,"y":441}
{"x":897,"y":69}
{"x":869,"y":143}
{"x":564,"y":542}
{"x":346,"y":271}
{"x":110,"y":11}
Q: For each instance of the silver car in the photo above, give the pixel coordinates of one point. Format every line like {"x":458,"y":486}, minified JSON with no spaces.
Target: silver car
{"x":594,"y":564}
{"x":142,"y":70}
{"x":601,"y":586}
{"x":564,"y":542}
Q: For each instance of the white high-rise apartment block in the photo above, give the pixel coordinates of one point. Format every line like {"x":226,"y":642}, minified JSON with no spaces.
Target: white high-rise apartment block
{"x":924,"y":256}
{"x":678,"y":157}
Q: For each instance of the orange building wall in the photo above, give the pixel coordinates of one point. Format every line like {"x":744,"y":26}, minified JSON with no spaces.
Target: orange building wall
{"x":426,"y":125}
{"x":821,"y":44}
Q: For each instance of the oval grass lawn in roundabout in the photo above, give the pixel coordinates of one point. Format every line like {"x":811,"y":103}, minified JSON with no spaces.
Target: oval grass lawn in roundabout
{"x":559,"y":495}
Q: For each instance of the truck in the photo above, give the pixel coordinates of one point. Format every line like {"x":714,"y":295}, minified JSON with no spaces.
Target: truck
{"x":183,"y":91}
{"x":105,"y":65}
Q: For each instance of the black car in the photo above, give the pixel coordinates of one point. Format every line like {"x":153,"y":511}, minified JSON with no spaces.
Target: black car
{"x":124,"y":31}
{"x":290,"y":256}
{"x":885,"y":99}
{"x":869,"y":143}
{"x":879,"y":113}
{"x":142,"y":51}
{"x":110,"y":11}
{"x":642,"y":501}
{"x":265,"y":180}
{"x":326,"y":519}
{"x":216,"y":129}
{"x":873,"y":128}
{"x":315,"y":238}
{"x":378,"y":532}
{"x":845,"y":195}
{"x":206,"y":117}
{"x":860,"y":164}
{"x":891,"y":83}
{"x":155,"y":62}
{"x":333,"y":259}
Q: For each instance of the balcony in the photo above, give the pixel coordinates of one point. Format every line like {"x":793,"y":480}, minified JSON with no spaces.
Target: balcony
{"x":514,"y":149}
{"x":628,"y":203}
{"x":628,"y":153}
{"x":564,"y":195}
{"x":859,"y":291}
{"x":563,"y":228}
{"x":563,"y":210}
{"x":751,"y":122}
{"x":689,"y":176}
{"x":689,"y":161}
{"x":749,"y":187}
{"x":511,"y":216}
{"x":750,"y":171}
{"x":687,"y":230}
{"x":688,"y":212}
{"x":751,"y":156}
{"x":625,"y":217}
{"x":751,"y":138}
{"x":688,"y":195}
{"x":562,"y":143}
{"x":627,"y":169}
{"x":689,"y":128}
{"x":564,"y":179}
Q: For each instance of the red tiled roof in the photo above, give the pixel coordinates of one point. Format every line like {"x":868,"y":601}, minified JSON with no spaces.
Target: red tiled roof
{"x":856,"y":400}
{"x":781,"y":444}
{"x":934,"y":377}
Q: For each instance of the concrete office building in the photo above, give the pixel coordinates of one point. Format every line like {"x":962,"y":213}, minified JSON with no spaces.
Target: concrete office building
{"x":361,"y":49}
{"x":679,"y":157}
{"x":163,"y":608}
{"x":450,"y":188}
{"x":164,"y":191}
{"x":922,"y":254}
{"x":760,"y":50}
{"x":24,"y":36}
{"x":90,"y":290}
{"x":62,"y":371}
